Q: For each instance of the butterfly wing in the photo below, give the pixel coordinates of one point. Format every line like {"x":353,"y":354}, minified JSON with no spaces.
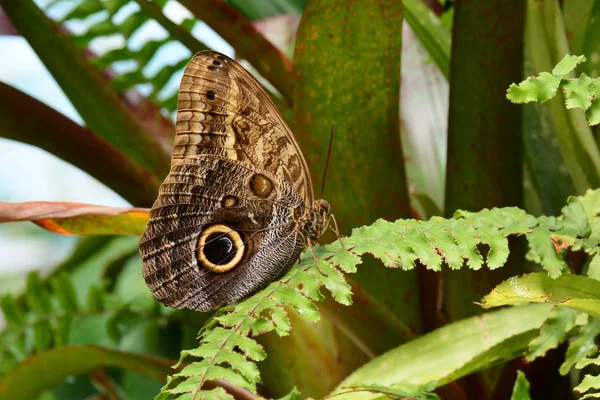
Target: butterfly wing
{"x":223,"y":110}
{"x":224,"y":223}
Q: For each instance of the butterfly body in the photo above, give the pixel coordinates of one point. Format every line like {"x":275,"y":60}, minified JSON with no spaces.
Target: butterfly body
{"x":237,"y":207}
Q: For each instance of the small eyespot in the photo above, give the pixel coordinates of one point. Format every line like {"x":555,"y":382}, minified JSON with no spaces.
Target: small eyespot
{"x":211,"y":95}
{"x":215,"y":62}
{"x":220,"y":57}
{"x":261,"y":185}
{"x":229,"y":201}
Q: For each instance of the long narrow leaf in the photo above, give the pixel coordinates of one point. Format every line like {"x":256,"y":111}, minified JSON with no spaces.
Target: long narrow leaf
{"x":453,"y":351}
{"x":578,"y":292}
{"x":50,"y":368}
{"x":77,"y":218}
{"x":102,"y":109}
{"x":57,"y":134}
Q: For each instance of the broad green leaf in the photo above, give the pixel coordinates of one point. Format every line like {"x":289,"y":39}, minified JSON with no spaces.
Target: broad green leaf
{"x":453,"y":351}
{"x":578,"y":292}
{"x":521,"y":388}
{"x":331,"y":90}
{"x":567,"y":64}
{"x":77,"y":218}
{"x":50,"y":368}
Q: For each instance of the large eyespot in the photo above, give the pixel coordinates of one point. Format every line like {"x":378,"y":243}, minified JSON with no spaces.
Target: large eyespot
{"x":220,"y":248}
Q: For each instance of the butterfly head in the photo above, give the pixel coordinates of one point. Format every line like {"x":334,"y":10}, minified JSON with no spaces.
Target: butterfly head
{"x":315,"y":223}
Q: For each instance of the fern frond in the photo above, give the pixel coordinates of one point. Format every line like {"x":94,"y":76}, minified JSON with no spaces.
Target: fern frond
{"x":226,"y":350}
{"x":108,"y":22}
{"x":53,"y":315}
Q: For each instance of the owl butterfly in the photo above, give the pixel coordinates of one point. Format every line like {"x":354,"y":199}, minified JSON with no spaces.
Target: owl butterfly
{"x":238,"y":206}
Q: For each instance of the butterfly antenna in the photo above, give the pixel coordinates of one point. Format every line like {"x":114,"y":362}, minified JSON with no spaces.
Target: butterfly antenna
{"x":327,"y":161}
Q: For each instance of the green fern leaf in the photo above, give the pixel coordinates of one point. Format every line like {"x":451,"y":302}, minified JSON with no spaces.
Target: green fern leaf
{"x":584,"y":345}
{"x":397,"y":244}
{"x":521,"y":388}
{"x":579,"y":93}
{"x":567,"y":64}
{"x":553,"y":332}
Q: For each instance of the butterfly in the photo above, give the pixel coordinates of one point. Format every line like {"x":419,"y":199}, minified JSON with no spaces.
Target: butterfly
{"x":238,"y":205}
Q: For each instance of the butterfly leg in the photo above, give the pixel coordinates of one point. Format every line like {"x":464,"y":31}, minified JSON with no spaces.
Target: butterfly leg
{"x":336,"y":230}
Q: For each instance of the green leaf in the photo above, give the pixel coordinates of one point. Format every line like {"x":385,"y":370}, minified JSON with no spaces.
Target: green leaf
{"x":583,"y":345}
{"x":400,"y":391}
{"x":453,"y":351}
{"x":539,"y":89}
{"x":521,"y":388}
{"x":589,"y":382}
{"x":12,"y":312}
{"x":575,"y":217}
{"x":579,"y":93}
{"x":293,"y":395}
{"x":330,"y":90}
{"x":50,"y":368}
{"x":62,"y":288}
{"x":573,"y":291}
{"x":553,"y":332}
{"x":567,"y":64}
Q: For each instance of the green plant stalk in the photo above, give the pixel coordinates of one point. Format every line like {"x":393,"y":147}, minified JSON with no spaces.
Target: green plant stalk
{"x":577,"y":15}
{"x":249,"y":43}
{"x":103,"y":110}
{"x":484,"y":131}
{"x":57,"y":134}
{"x":347,"y":66}
{"x":484,"y":167}
{"x":546,"y":45}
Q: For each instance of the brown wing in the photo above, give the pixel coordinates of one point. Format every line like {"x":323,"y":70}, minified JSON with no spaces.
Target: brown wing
{"x":206,"y":194}
{"x":223,"y":110}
